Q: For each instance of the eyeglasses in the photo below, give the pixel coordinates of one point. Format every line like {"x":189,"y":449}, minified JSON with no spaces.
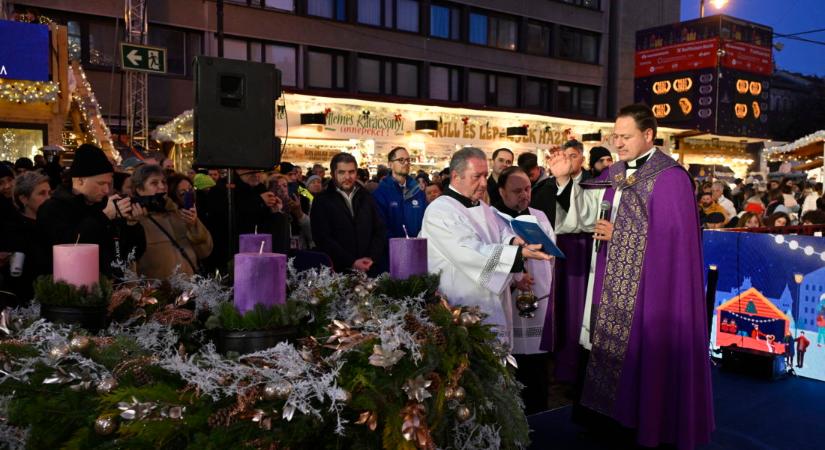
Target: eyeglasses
{"x":402,"y":160}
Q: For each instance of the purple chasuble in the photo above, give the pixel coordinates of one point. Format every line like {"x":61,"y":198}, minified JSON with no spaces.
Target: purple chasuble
{"x":649,"y":366}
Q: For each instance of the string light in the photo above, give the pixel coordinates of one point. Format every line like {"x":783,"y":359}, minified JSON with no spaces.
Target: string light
{"x":752,"y":320}
{"x":90,"y":112}
{"x":179,"y":130}
{"x":22,"y":91}
{"x":812,"y":138}
{"x":794,"y":245}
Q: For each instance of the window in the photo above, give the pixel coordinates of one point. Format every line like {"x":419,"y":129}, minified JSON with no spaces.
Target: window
{"x":477,"y":88}
{"x":102,"y":43}
{"x":444,"y":84}
{"x":478,"y":29}
{"x":400,"y":14}
{"x":234,"y":49}
{"x":445,"y":22}
{"x":589,"y":4}
{"x":325,"y":70}
{"x":408,"y":15}
{"x":574,"y":98}
{"x":288,"y":5}
{"x":538,"y":39}
{"x":376,"y":76}
{"x":181,"y":47}
{"x":579,"y":45}
{"x":283,"y":57}
{"x":331,"y":9}
{"x":506,"y":91}
{"x":492,"y":89}
{"x":537,"y":95}
{"x":494,"y":31}
{"x":75,"y":40}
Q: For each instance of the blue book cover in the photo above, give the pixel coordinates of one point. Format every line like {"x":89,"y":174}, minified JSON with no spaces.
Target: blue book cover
{"x":527,"y":228}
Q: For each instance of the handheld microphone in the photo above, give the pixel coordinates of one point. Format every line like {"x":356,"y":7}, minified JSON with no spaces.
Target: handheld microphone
{"x":604,"y":214}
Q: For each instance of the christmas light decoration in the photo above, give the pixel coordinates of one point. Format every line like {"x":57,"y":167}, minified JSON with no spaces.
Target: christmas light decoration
{"x":22,"y":91}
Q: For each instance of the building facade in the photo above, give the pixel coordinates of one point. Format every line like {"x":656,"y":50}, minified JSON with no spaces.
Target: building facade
{"x":565,"y":58}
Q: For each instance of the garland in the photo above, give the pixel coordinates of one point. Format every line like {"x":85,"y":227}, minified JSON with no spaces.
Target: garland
{"x":22,"y":91}
{"x":367,"y":370}
{"x":59,"y":293}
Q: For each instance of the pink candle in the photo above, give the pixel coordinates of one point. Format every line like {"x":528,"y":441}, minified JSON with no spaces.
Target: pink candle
{"x":260,"y":278}
{"x":76,"y":264}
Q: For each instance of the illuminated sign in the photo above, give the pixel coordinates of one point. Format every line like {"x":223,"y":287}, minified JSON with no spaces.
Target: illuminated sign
{"x":24,"y":51}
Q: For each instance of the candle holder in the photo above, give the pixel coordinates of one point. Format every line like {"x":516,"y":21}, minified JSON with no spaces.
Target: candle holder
{"x":527,"y":303}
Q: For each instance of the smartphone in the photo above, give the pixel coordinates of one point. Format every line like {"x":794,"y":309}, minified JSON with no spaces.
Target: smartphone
{"x":188,"y":199}
{"x":293,"y":189}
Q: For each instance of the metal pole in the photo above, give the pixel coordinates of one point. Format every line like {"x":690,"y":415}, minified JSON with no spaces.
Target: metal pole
{"x":701,"y":8}
{"x":220,"y":28}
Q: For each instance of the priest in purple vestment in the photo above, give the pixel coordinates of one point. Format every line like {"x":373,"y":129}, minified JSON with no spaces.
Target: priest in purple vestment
{"x":644,"y":324}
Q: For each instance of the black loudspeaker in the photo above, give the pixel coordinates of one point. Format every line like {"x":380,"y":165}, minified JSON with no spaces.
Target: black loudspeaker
{"x":234,"y":118}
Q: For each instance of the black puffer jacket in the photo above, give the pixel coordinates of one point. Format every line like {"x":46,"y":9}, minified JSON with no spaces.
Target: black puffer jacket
{"x":66,"y":215}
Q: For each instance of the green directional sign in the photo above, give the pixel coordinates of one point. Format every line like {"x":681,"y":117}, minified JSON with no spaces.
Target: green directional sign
{"x":142,"y":58}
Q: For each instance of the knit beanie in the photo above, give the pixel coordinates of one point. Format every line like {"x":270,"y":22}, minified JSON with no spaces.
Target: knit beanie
{"x":597,"y":153}
{"x":313,"y":178}
{"x":202,"y":181}
{"x":89,"y":160}
{"x":6,"y":170}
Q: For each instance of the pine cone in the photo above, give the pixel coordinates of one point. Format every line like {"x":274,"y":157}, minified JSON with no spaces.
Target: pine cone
{"x":222,"y":417}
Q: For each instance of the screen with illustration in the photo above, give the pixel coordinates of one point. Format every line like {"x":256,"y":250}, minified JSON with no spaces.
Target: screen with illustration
{"x":770,"y":295}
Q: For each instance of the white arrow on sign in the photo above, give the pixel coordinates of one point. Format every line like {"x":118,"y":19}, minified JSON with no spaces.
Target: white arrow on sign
{"x":133,"y":57}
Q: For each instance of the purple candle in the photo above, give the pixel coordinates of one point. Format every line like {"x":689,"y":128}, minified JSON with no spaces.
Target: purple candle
{"x":408,"y":256}
{"x":260,"y":278}
{"x":251,"y":243}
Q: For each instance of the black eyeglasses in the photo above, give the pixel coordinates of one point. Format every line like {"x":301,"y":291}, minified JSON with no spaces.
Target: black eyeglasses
{"x":402,"y":160}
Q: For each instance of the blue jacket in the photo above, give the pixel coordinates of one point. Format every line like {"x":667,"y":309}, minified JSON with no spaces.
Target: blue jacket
{"x":397,"y":208}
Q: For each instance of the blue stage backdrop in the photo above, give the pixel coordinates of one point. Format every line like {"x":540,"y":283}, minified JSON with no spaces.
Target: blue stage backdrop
{"x":24,"y":51}
{"x":770,"y":295}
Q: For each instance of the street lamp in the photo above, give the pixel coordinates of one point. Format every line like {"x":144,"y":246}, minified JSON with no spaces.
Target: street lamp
{"x":718,"y":4}
{"x":797,"y":277}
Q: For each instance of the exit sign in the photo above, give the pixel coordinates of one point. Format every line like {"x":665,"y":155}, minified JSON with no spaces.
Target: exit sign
{"x":142,"y":58}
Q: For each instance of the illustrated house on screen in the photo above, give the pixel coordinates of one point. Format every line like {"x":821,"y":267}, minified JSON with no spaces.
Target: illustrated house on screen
{"x":751,"y":320}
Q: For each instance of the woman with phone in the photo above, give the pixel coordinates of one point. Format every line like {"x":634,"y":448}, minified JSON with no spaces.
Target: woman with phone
{"x":175,"y":238}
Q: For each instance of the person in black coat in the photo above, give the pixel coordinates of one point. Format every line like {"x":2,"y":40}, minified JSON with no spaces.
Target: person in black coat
{"x":254,"y":208}
{"x":85,"y":212}
{"x":345,"y":221}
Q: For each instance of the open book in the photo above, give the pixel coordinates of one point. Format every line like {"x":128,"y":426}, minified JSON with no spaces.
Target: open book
{"x":527,"y":227}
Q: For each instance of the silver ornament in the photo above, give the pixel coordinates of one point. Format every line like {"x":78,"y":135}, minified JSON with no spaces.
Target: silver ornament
{"x":106,"y":385}
{"x":105,"y":426}
{"x":279,"y":390}
{"x":527,"y":303}
{"x":59,"y":351}
{"x":79,"y":343}
{"x":463,"y":413}
{"x":459,"y":393}
{"x":449,"y":393}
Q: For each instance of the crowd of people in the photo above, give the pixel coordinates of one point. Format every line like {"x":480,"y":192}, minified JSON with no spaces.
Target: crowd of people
{"x":144,"y":213}
{"x":751,"y":204}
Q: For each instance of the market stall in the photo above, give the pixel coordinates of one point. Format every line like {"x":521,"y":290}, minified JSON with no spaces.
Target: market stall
{"x":804,"y":155}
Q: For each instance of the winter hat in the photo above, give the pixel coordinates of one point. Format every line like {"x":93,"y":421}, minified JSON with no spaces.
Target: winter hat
{"x":286,"y":168}
{"x":6,"y":171}
{"x":202,"y":181}
{"x":597,"y":153}
{"x":89,"y":160}
{"x":24,"y":163}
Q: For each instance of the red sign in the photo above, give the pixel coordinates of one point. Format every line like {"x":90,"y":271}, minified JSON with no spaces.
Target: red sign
{"x":747,"y":57}
{"x":677,"y":58}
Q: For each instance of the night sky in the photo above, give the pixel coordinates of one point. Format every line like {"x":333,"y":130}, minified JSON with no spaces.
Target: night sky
{"x":785,"y":17}
{"x":771,"y":266}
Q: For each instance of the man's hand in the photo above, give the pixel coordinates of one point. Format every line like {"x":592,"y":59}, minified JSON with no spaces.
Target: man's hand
{"x":272,"y":201}
{"x":603,"y":230}
{"x":560,"y":166}
{"x":525,"y":284}
{"x":111,"y":209}
{"x":362,"y":264}
{"x":189,"y":216}
{"x":534,"y":252}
